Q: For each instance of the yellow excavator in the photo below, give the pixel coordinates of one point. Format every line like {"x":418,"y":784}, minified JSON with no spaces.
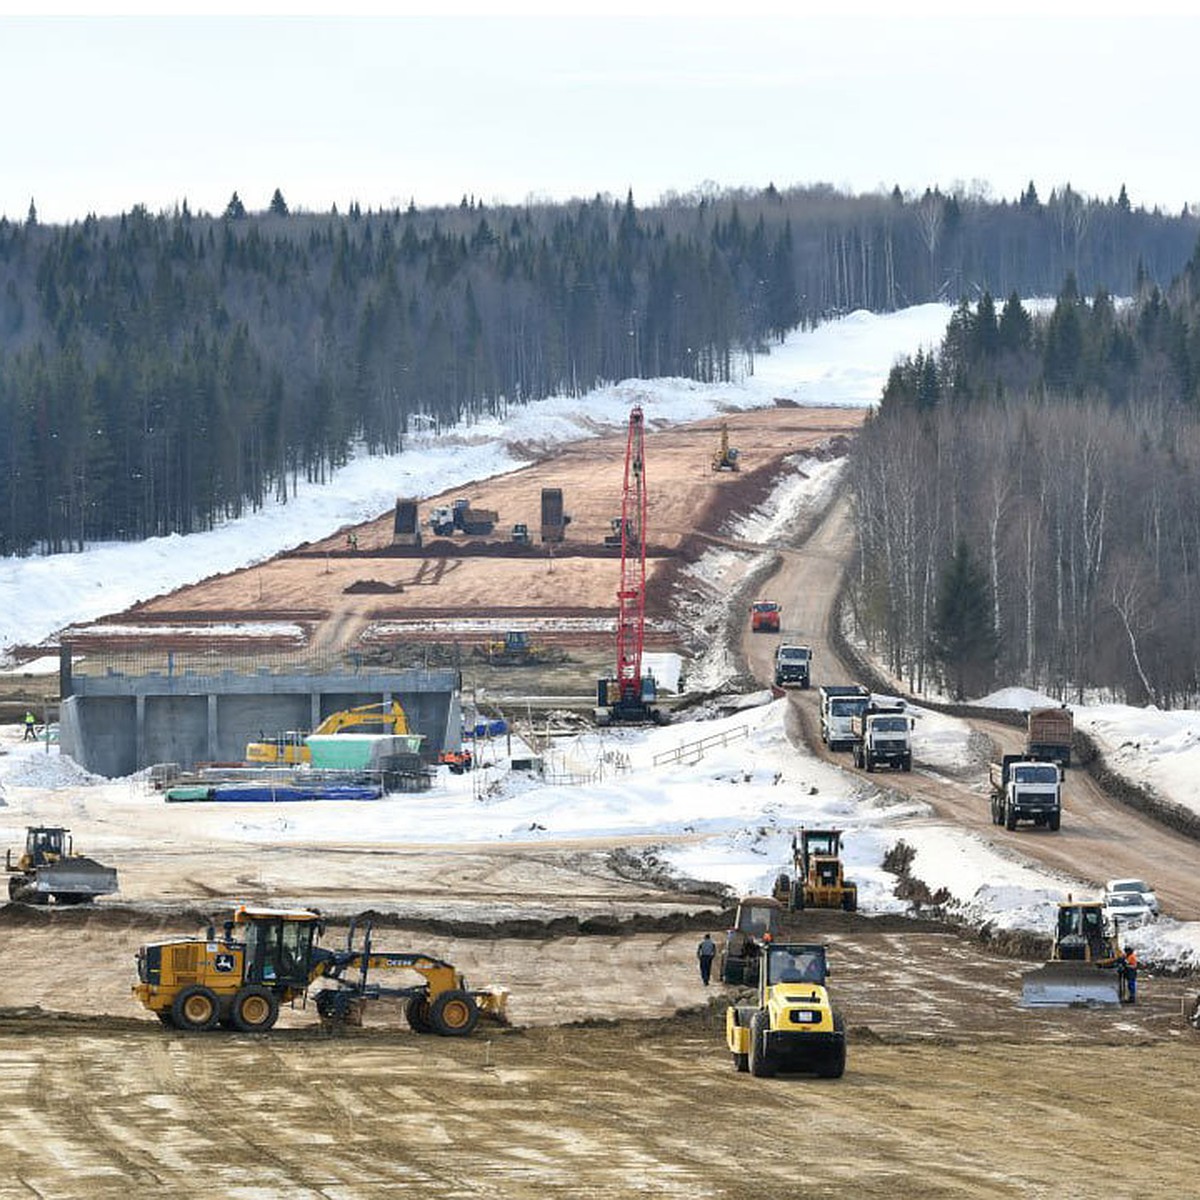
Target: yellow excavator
{"x":266,"y":957}
{"x":725,"y":457}
{"x":288,"y":749}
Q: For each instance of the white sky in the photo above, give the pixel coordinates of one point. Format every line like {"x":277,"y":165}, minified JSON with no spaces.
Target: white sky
{"x":106,"y":111}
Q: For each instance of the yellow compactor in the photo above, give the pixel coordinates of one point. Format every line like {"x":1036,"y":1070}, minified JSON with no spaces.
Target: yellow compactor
{"x":791,"y":1024}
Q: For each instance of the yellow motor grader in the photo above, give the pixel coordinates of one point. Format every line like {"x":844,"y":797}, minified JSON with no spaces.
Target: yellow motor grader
{"x":266,"y":957}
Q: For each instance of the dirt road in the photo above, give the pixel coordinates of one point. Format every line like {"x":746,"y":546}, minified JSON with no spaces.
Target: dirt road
{"x":1100,"y":838}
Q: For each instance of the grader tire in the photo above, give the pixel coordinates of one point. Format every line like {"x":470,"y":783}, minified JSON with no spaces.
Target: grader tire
{"x":454,"y":1013}
{"x":255,"y":1009}
{"x":196,"y":1009}
{"x":417,"y":1012}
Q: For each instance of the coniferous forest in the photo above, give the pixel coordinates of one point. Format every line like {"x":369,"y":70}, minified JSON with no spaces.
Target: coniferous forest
{"x":159,"y":373}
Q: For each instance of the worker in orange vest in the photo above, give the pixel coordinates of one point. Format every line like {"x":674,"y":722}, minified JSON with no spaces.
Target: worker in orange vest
{"x":1129,"y":969}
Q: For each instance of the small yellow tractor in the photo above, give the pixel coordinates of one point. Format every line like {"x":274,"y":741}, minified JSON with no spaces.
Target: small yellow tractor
{"x":819,"y":881}
{"x":756,"y":921}
{"x":267,"y":957}
{"x":519,"y":650}
{"x":791,"y":1025}
{"x":288,"y":749}
{"x":49,"y":869}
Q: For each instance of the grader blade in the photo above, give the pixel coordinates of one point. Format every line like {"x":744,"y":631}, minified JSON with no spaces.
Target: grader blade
{"x":493,"y":1004}
{"x":1070,"y":983}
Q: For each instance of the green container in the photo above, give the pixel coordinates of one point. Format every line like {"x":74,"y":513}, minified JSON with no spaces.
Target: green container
{"x":358,"y":751}
{"x":178,"y":795}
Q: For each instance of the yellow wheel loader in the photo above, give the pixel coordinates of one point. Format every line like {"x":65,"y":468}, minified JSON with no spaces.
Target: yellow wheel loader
{"x":267,"y":957}
{"x":791,"y":1025}
{"x":287,"y":749}
{"x":1084,"y":961}
{"x":819,"y":881}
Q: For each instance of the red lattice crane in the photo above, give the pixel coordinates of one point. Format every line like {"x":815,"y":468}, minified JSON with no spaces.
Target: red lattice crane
{"x":631,"y":596}
{"x":629,"y":697}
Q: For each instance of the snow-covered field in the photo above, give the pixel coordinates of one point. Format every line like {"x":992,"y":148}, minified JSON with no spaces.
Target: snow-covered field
{"x":744,"y":797}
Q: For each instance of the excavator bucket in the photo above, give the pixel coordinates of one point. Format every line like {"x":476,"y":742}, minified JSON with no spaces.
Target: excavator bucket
{"x":1070,"y":983}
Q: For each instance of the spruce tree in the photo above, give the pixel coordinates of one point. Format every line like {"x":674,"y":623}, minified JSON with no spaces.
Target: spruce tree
{"x":963,"y":641}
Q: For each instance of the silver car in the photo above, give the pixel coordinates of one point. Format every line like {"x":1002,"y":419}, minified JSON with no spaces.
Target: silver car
{"x":1128,"y":909}
{"x":1133,"y":885}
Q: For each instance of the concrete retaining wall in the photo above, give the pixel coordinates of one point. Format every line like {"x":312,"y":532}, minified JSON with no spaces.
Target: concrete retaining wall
{"x":115,"y":725}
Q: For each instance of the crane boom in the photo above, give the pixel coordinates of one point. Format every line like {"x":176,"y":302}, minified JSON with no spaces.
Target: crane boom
{"x":630,"y":695}
{"x":631,"y":597}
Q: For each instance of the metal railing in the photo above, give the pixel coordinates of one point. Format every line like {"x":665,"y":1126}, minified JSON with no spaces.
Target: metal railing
{"x":695,"y":751}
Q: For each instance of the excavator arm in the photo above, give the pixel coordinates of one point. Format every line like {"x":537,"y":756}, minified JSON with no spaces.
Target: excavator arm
{"x":389,"y":715}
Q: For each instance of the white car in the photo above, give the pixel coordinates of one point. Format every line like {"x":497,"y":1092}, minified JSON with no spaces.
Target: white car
{"x":1128,"y":909}
{"x":1133,"y":885}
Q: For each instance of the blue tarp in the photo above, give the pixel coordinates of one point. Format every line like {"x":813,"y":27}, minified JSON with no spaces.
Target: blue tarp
{"x":249,"y":793}
{"x":483,"y":729}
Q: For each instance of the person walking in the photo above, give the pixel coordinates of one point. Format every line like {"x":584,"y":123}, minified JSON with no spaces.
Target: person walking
{"x":1129,"y":967}
{"x":705,"y":953}
{"x":30,"y":731}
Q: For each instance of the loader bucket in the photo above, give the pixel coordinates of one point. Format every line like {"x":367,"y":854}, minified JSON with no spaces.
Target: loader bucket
{"x":1070,"y":983}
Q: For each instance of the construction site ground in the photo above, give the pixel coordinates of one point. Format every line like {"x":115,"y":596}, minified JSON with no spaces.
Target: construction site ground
{"x":613,"y":1079}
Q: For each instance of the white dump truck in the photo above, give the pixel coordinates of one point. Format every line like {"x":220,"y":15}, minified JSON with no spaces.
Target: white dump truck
{"x":882,"y":737}
{"x":1026,"y":789}
{"x":840,"y":704}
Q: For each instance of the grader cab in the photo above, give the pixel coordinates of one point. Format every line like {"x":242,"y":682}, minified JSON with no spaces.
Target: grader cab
{"x":755,"y":923}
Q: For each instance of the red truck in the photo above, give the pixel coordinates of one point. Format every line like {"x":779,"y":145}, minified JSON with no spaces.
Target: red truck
{"x":764,"y":617}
